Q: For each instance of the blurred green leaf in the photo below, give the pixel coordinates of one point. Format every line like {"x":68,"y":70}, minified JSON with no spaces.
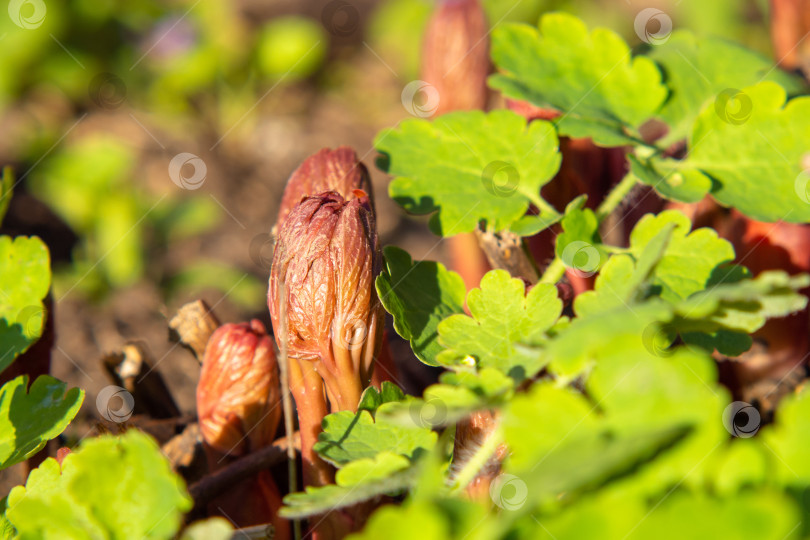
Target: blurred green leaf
{"x":240,"y":287}
{"x":119,"y":239}
{"x":291,"y":47}
{"x":754,"y":145}
{"x":395,"y":31}
{"x":698,"y":69}
{"x":215,"y":528}
{"x":6,"y":190}
{"x":111,"y":487}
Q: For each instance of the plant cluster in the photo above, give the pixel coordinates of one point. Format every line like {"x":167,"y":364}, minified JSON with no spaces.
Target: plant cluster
{"x":630,"y":204}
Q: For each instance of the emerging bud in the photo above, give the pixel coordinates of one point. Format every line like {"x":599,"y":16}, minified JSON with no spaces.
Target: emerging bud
{"x":328,"y":170}
{"x":456,"y":55}
{"x":238,"y":392}
{"x":328,"y":257}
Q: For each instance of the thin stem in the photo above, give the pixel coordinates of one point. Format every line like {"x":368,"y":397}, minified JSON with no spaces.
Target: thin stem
{"x":616,"y":196}
{"x":554,"y":272}
{"x":284,"y":367}
{"x":541,"y":204}
{"x":477,"y":461}
{"x":307,"y":387}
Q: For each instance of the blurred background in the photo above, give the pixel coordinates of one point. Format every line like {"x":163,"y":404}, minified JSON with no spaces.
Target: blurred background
{"x":152,"y":140}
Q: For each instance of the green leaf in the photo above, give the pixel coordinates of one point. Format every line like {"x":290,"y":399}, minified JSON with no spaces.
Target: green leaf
{"x":579,"y":245}
{"x":789,"y":437}
{"x":372,"y":398}
{"x":592,"y":78}
{"x":754,"y":154}
{"x":638,"y":390}
{"x":689,"y":259}
{"x":764,"y":515}
{"x":349,"y":436}
{"x":413,"y":520}
{"x":31,"y":417}
{"x":621,"y":281}
{"x":742,"y":463}
{"x":111,"y":487}
{"x":215,"y":528}
{"x":459,"y":395}
{"x":588,"y":461}
{"x":366,"y":470}
{"x":566,"y":415}
{"x":419,"y":295}
{"x":7,"y":531}
{"x":318,"y":500}
{"x":530,"y":225}
{"x":6,"y":190}
{"x":470,"y":166}
{"x":698,"y":69}
{"x":25,"y":275}
{"x":575,"y":349}
{"x":502,"y":316}
{"x":744,"y":306}
{"x":670,"y":180}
